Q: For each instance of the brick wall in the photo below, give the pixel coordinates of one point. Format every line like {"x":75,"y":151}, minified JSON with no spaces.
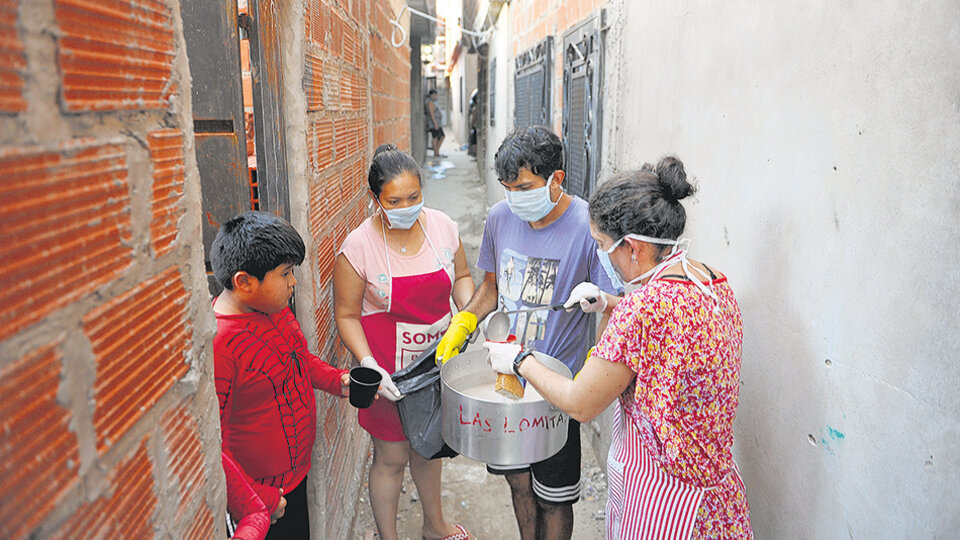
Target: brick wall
{"x":108,"y":419}
{"x":356,"y":93}
{"x":534,"y":20}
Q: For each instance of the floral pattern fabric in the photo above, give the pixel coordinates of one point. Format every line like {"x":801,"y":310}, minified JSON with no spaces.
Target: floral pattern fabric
{"x":685,"y":349}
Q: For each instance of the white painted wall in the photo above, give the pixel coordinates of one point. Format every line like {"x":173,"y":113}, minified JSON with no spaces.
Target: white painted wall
{"x":501,"y":48}
{"x":465,"y":74}
{"x":825,"y":137}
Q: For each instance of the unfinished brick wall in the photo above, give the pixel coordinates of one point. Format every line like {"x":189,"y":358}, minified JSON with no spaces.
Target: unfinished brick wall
{"x":534,"y":20}
{"x":356,"y":90}
{"x":109,"y":426}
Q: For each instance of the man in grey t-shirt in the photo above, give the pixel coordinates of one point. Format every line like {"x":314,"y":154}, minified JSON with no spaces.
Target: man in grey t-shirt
{"x":537,"y":251}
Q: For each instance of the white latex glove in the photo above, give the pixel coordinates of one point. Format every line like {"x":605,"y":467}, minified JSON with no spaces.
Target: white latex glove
{"x":501,"y":355}
{"x":582,"y":294}
{"x":387,"y":389}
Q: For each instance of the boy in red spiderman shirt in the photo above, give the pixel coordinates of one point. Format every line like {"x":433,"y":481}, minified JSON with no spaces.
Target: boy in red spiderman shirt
{"x":264,"y":373}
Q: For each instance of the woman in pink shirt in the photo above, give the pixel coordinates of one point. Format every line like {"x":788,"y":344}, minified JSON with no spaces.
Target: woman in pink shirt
{"x":393,"y":280}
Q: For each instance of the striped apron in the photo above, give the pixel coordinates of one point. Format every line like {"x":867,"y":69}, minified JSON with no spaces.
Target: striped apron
{"x":643,"y":501}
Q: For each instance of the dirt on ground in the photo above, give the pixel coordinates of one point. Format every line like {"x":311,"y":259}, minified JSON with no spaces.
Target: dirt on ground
{"x":481,"y":503}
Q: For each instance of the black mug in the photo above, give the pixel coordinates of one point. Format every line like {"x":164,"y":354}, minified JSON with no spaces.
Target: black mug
{"x":364,"y":383}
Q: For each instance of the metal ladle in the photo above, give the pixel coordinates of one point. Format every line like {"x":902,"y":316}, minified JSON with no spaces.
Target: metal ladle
{"x":498,"y":325}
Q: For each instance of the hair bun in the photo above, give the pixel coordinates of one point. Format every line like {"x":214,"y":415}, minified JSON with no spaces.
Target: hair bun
{"x":673,"y":179}
{"x":384,"y":148}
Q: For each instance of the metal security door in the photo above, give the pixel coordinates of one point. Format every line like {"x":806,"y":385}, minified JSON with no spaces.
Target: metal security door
{"x":582,"y":76}
{"x":213,"y":48}
{"x":531,"y":89}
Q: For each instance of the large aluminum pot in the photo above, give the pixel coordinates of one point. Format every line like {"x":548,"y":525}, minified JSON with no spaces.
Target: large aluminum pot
{"x":487,"y":427}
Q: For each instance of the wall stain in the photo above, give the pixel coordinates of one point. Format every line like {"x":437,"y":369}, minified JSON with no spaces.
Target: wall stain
{"x":831,"y":439}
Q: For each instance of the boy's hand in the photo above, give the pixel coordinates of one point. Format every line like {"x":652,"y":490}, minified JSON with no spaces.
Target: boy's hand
{"x":345,"y":385}
{"x":281,"y":508}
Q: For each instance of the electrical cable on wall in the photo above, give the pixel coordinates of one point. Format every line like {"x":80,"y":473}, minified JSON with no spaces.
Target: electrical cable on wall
{"x":403,"y":33}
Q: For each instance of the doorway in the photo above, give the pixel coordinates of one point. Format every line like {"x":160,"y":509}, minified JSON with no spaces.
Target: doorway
{"x":237,"y":98}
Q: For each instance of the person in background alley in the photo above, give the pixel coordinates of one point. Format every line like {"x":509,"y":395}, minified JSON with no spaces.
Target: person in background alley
{"x":536,"y":247}
{"x":392,"y":280}
{"x":474,"y":119}
{"x":434,"y":122}
{"x":264,"y":374}
{"x":671,"y":355}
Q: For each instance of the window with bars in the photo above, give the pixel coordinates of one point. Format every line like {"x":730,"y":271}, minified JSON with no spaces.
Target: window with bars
{"x":531,"y":87}
{"x":582,"y":57}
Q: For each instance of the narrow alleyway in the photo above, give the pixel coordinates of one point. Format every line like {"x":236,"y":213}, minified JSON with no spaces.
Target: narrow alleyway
{"x":471,"y":497}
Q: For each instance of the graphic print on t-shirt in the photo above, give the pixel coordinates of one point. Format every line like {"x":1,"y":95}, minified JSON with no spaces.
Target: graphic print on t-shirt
{"x":510,"y":278}
{"x":538,"y":281}
{"x":526,"y":282}
{"x":535,"y":325}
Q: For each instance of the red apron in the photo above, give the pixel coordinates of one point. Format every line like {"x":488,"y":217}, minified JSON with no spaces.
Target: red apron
{"x":418,"y":313}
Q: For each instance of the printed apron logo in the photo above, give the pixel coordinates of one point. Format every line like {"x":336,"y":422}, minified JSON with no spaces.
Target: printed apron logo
{"x":413,"y":339}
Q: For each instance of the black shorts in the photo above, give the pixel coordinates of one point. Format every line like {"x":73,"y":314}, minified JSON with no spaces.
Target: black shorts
{"x":556,"y":480}
{"x":437,"y":133}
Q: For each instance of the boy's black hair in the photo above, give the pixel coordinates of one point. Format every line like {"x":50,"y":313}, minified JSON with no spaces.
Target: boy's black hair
{"x":533,"y":147}
{"x":255,"y":243}
{"x":388,"y":162}
{"x":431,"y":92}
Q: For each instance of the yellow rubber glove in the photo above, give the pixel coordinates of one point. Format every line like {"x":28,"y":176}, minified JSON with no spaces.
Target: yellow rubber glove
{"x":461,"y":326}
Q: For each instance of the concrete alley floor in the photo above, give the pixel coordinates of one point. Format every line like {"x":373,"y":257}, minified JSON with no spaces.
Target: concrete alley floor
{"x":472,"y":497}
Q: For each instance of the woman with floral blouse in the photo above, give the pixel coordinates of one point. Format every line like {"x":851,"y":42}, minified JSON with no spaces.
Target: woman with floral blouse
{"x":670,"y":353}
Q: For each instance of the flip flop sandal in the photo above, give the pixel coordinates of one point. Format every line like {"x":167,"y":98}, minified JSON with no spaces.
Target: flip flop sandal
{"x":462,"y":535}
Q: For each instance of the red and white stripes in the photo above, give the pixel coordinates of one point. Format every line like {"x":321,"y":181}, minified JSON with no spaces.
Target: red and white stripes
{"x":644,"y":502}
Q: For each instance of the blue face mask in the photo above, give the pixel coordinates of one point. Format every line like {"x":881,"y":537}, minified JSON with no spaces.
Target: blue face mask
{"x":612,"y":273}
{"x":403,"y":218}
{"x":532,"y":205}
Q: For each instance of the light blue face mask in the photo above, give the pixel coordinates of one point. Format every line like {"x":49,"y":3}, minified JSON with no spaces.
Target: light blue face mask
{"x":403,"y":218}
{"x":532,"y":205}
{"x":612,"y":273}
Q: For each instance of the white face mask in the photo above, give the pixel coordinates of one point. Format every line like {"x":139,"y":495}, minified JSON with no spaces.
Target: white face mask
{"x":614,"y":274}
{"x":532,"y":205}
{"x":677,"y":255}
{"x":402,"y":218}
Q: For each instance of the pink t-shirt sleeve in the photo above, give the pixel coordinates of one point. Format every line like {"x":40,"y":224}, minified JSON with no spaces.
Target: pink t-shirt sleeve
{"x":357,"y":246}
{"x":364,"y":248}
{"x":443,"y":231}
